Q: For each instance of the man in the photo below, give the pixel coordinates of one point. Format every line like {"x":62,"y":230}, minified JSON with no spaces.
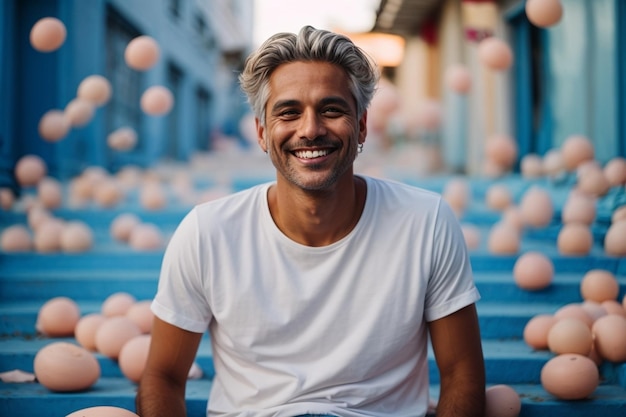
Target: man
{"x":319,"y":290}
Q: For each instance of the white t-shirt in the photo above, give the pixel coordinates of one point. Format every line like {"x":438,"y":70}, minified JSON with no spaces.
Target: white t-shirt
{"x":339,"y":329}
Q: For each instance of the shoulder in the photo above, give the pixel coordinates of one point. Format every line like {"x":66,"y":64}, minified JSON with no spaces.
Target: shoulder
{"x":398,"y":195}
{"x":233,"y":204}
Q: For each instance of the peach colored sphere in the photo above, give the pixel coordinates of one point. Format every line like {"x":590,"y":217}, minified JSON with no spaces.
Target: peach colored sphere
{"x":471,"y":234}
{"x":575,"y":239}
{"x":108,"y":193}
{"x":615,"y":239}
{"x":47,"y":237}
{"x":495,"y":54}
{"x":619,"y":215}
{"x":498,"y":197}
{"x":122,"y":139}
{"x":579,"y":209}
{"x":48,"y":34}
{"x":157,"y":101}
{"x":575,"y":150}
{"x":502,"y":400}
{"x":544,"y":13}
{"x":536,"y":207}
{"x":594,"y":309}
{"x":86,"y":328}
{"x":95,"y":89}
{"x":142,"y":53}
{"x":594,"y":183}
{"x":501,"y":149}
{"x":122,"y":225}
{"x":575,"y":311}
{"x":533,"y":271}
{"x":66,"y":367}
{"x":613,"y":307}
{"x":456,"y":192}
{"x":50,"y":193}
{"x":103,"y":411}
{"x":16,"y":238}
{"x":531,"y":166}
{"x":54,"y":125}
{"x":152,"y":196}
{"x":113,"y":334}
{"x":610,"y":337}
{"x":615,"y":171}
{"x":79,"y":112}
{"x":58,"y":317}
{"x":7,"y":198}
{"x":77,"y":236}
{"x":36,"y":216}
{"x":145,"y":237}
{"x":458,"y":79}
{"x":553,"y":164}
{"x":599,"y":285}
{"x":117,"y":304}
{"x":504,"y":239}
{"x":570,"y":376}
{"x":570,"y":335}
{"x":141,"y":314}
{"x":536,"y":331}
{"x":133,"y":357}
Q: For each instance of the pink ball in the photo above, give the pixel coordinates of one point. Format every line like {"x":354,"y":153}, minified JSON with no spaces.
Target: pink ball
{"x":615,"y":171}
{"x":512,"y":215}
{"x":153,"y":197}
{"x":50,"y":193}
{"x":537,"y":329}
{"x":79,"y":112}
{"x":122,"y":139}
{"x":48,"y":236}
{"x":122,"y":225}
{"x":157,"y":101}
{"x":574,"y":311}
{"x":7,"y":198}
{"x":16,"y":238}
{"x":456,"y":192}
{"x":570,"y":335}
{"x":574,"y":239}
{"x":95,"y":89}
{"x":141,"y":314}
{"x":86,"y":328}
{"x":579,"y":208}
{"x":133,"y":357}
{"x":553,"y":165}
{"x":58,"y":317}
{"x":458,"y":79}
{"x":575,"y":150}
{"x":471,"y":234}
{"x":593,"y":182}
{"x":498,"y":197}
{"x":615,"y":239}
{"x":570,"y":376}
{"x":103,"y":411}
{"x":544,"y":13}
{"x":533,"y":271}
{"x":503,"y":239}
{"x":531,"y":166}
{"x":117,"y":304}
{"x":146,"y":236}
{"x":495,"y":54}
{"x":502,"y":150}
{"x":610,"y":337}
{"x":76,"y":237}
{"x":502,"y":401}
{"x":142,"y":53}
{"x":619,"y":215}
{"x":108,"y":193}
{"x":47,"y":34}
{"x":54,"y":126}
{"x":536,"y":207}
{"x":113,"y":334}
{"x":599,"y":285}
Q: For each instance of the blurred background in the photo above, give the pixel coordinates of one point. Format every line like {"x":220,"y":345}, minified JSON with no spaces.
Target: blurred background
{"x":442,"y":100}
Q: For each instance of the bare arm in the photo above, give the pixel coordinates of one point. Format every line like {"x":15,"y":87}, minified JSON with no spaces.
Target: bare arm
{"x":458,"y":352}
{"x":161,"y":390}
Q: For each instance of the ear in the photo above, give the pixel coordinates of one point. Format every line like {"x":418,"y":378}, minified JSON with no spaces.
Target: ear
{"x":260,"y":134}
{"x":363,"y":127}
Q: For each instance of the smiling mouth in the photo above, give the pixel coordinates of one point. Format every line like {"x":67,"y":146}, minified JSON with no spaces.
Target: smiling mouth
{"x":311,"y":154}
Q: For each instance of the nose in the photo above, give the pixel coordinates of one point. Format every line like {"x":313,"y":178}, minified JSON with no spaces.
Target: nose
{"x":311,"y":125}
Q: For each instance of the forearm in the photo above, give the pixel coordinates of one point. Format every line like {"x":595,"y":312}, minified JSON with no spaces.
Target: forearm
{"x":158,"y":398}
{"x":462,"y":397}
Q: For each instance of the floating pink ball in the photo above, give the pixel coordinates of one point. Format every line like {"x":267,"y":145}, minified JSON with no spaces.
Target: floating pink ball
{"x":48,"y":236}
{"x":502,"y":401}
{"x":86,"y":328}
{"x":570,"y":376}
{"x":122,"y":226}
{"x":579,"y":208}
{"x":54,"y":126}
{"x":117,"y":304}
{"x":531,"y":166}
{"x":157,"y":101}
{"x":504,"y":239}
{"x":533,"y":271}
{"x":58,"y":317}
{"x":536,"y":331}
{"x":544,"y":13}
{"x":615,"y":239}
{"x":458,"y":79}
{"x":575,"y":311}
{"x":615,"y":171}
{"x":141,"y":313}
{"x":570,"y":335}
{"x":50,"y":193}
{"x":142,"y":53}
{"x":145,"y":237}
{"x":108,"y":193}
{"x":122,"y":139}
{"x":536,"y":207}
{"x":76,"y":237}
{"x":7,"y":198}
{"x":495,"y":54}
{"x":113,"y":334}
{"x":79,"y":112}
{"x":575,"y":239}
{"x":152,"y":196}
{"x":553,"y":165}
{"x":575,"y":150}
{"x":498,"y":197}
{"x":95,"y":89}
{"x":471,"y":234}
{"x":512,"y":215}
{"x":502,"y":150}
{"x":599,"y":285}
{"x":48,"y":34}
{"x":66,"y":367}
{"x":610,"y":337}
{"x":16,"y":238}
{"x":593,"y":182}
{"x":133,"y":357}
{"x":103,"y":411}
{"x":457,"y":192}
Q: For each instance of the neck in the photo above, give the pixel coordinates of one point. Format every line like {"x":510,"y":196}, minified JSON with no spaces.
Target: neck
{"x":317,"y":218}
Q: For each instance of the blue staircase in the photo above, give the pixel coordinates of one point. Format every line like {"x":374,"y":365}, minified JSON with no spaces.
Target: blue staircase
{"x":27,"y":280}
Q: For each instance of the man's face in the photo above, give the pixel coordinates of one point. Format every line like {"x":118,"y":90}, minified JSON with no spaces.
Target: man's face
{"x":311,"y":131}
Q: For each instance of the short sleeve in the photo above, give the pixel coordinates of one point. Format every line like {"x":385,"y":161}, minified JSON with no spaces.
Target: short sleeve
{"x":181,"y":298}
{"x":451,"y":282}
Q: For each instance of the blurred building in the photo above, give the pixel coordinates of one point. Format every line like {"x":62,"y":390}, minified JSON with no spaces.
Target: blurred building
{"x":566,"y":79}
{"x":202,"y":47}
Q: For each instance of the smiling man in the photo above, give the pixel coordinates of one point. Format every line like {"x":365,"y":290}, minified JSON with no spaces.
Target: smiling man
{"x":320,"y":289}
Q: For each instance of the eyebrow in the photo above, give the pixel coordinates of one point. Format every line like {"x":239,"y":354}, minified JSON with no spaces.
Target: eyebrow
{"x":324,"y":102}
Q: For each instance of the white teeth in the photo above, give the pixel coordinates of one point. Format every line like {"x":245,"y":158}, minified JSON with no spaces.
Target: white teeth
{"x":311,"y":154}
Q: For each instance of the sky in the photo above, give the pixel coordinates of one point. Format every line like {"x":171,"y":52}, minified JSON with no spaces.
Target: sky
{"x":273,"y":16}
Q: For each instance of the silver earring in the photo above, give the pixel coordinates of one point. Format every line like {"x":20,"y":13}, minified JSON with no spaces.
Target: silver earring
{"x":359,"y":148}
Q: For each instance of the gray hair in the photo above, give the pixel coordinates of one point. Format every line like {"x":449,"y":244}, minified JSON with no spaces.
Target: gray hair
{"x":314,"y":45}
